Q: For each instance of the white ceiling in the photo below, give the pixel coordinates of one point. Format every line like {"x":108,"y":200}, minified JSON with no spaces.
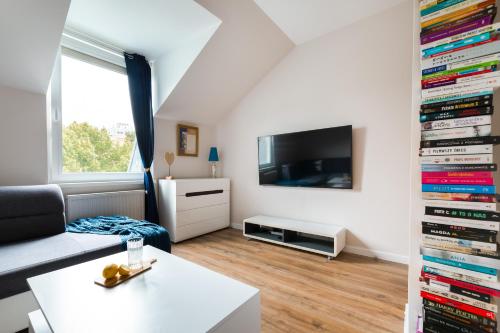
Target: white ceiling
{"x":303,"y":20}
{"x":30,"y":31}
{"x":151,"y":27}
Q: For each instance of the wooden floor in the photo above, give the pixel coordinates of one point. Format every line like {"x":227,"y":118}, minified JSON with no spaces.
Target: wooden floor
{"x":303,"y":292}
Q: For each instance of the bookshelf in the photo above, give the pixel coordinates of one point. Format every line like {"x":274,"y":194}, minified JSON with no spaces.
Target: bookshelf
{"x":418,"y":205}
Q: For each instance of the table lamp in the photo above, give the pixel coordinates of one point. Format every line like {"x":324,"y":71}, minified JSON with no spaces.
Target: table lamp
{"x":213,"y":158}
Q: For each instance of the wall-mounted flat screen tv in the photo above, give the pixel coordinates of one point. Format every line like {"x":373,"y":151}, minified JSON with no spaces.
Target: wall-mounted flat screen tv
{"x":317,"y":158}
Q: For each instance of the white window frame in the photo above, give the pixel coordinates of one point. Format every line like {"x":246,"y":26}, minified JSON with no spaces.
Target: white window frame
{"x":271,"y":163}
{"x":91,"y":51}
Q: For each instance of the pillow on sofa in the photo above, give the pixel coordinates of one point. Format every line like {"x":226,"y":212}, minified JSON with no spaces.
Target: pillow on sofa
{"x":30,"y":212}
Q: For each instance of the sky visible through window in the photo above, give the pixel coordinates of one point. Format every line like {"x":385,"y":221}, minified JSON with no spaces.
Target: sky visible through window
{"x":98,"y":129}
{"x":94,"y":94}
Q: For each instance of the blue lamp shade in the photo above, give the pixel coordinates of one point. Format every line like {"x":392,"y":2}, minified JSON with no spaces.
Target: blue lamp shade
{"x":214,"y":156}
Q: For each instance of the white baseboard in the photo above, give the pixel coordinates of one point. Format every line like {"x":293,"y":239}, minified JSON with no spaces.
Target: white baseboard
{"x":377,"y":254}
{"x":407,"y":321}
{"x":238,"y":226}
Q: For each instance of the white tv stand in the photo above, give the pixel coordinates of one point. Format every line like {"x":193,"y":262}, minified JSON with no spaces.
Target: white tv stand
{"x":314,"y":237}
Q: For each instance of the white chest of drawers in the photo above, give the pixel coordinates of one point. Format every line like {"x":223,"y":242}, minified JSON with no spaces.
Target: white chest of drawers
{"x":193,"y":207}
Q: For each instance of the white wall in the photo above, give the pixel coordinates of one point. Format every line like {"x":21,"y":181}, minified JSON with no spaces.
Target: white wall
{"x":169,"y":68}
{"x":23,"y":137}
{"x":29,"y":35}
{"x":184,"y":166}
{"x":359,"y":75}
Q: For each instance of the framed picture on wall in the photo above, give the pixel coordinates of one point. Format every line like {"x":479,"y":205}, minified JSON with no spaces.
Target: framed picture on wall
{"x":187,"y":140}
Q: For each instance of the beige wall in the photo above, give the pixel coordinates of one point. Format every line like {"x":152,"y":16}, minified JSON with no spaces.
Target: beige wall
{"x":23,"y":137}
{"x":183,"y":167}
{"x":358,"y":75}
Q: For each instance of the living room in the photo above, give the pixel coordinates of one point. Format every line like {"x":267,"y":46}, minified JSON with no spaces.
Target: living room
{"x":248,"y":166}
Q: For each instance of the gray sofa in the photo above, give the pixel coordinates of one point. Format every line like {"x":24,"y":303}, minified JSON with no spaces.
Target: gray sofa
{"x":33,"y":237}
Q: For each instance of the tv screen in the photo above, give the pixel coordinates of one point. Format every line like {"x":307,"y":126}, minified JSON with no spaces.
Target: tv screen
{"x":317,"y":158}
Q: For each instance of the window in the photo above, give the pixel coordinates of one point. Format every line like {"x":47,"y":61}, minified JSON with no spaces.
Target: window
{"x":266,"y":153}
{"x":92,"y":127}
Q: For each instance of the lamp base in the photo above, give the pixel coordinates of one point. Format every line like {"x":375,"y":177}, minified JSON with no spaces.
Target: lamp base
{"x":214,"y":170}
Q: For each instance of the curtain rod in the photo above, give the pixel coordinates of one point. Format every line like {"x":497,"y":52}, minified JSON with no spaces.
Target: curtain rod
{"x":82,"y":37}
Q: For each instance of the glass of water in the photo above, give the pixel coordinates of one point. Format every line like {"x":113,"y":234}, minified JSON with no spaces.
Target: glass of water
{"x":134,"y":250}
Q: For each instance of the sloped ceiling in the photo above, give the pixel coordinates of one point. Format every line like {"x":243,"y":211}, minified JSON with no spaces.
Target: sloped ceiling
{"x":30,"y":32}
{"x":244,"y":48}
{"x":303,"y":20}
{"x":151,"y":28}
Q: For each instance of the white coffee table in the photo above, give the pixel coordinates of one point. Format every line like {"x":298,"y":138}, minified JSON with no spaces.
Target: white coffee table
{"x":174,"y":296}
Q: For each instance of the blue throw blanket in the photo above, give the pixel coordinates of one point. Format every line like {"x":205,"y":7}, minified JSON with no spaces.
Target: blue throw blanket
{"x":125,"y":227}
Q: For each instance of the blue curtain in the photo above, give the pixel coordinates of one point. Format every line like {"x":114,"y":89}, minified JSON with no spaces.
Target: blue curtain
{"x":139,"y":83}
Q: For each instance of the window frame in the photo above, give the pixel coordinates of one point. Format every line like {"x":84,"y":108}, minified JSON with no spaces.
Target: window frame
{"x":271,"y":163}
{"x":96,"y":54}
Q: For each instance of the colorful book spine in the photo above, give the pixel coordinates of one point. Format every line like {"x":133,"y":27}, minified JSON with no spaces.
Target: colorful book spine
{"x":463,"y":223}
{"x":458,"y":167}
{"x":470,"y":318}
{"x":463,"y":213}
{"x":442,"y":49}
{"x":461,"y":291}
{"x":461,"y":142}
{"x":462,"y":257}
{"x":447,"y":13}
{"x":452,"y":231}
{"x":483,"y":206}
{"x":437,"y":7}
{"x":449,"y":242}
{"x":458,"y":150}
{"x":457,"y":71}
{"x":465,"y":307}
{"x":459,"y":77}
{"x":470,"y":267}
{"x":459,"y":95}
{"x":462,"y":55}
{"x":459,"y":189}
{"x":453,"y":123}
{"x":460,"y":277}
{"x":458,"y":159}
{"x":492,"y":81}
{"x":457,"y":270}
{"x":467,"y":26}
{"x":487,"y":110}
{"x":458,"y":18}
{"x":439,"y":322}
{"x":458,"y":181}
{"x":461,"y":36}
{"x":467,"y":285}
{"x":459,"y":298}
{"x":489,"y":198}
{"x":455,"y":133}
{"x":461,"y":65}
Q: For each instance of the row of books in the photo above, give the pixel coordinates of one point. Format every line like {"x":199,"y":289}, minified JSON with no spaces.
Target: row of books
{"x":460,"y":58}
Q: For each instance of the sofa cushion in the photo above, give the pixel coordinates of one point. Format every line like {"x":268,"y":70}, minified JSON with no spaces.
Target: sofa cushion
{"x":28,"y":227}
{"x":30,"y":211}
{"x":16,"y":201}
{"x":38,"y":256}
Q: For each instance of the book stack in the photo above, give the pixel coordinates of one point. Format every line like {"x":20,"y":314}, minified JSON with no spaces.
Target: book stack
{"x":459,"y":282}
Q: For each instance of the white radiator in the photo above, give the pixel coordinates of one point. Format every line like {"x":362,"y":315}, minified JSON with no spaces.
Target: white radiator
{"x":128,"y":203}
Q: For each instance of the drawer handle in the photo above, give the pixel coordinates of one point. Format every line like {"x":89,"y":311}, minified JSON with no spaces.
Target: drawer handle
{"x":195,"y":194}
